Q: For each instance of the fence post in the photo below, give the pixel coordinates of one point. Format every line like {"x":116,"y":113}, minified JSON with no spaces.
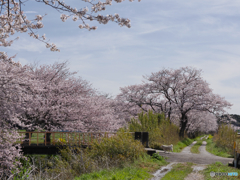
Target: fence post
{"x":29,"y":142}
{"x":143,"y":137}
{"x":45,"y":138}
{"x":138,"y":136}
{"x":54,"y":138}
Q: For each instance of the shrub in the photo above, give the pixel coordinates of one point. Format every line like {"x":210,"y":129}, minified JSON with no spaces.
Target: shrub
{"x":119,"y":148}
{"x":161,"y":130}
{"x":158,"y":157}
{"x":225,"y":137}
{"x":210,"y":136}
{"x":74,"y":161}
{"x":156,"y":145}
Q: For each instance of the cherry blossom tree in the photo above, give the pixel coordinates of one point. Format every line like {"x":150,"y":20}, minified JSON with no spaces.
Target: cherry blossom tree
{"x":200,"y":121}
{"x":12,"y":86}
{"x":48,"y":98}
{"x":13,"y":19}
{"x":64,"y":101}
{"x":175,"y":92}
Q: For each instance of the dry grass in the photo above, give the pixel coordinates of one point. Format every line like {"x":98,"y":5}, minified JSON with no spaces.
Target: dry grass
{"x":161,"y":130}
{"x":225,"y":138}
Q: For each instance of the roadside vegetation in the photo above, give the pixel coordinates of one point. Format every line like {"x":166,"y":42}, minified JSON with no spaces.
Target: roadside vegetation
{"x":109,"y":158}
{"x":142,"y":168}
{"x":216,"y":150}
{"x":195,"y":147}
{"x":219,"y":167}
{"x":221,"y":144}
{"x":161,"y":130}
{"x":120,"y":157}
{"x":182,"y":144}
{"x":179,"y":171}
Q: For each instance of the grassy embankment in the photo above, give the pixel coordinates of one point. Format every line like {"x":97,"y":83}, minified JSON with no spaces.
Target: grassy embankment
{"x":221,"y":144}
{"x":139,"y":170}
{"x":216,"y":150}
{"x":118,"y":157}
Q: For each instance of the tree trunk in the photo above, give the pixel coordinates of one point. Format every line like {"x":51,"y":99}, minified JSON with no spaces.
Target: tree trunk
{"x":183,"y":126}
{"x":48,"y":139}
{"x":26,"y":139}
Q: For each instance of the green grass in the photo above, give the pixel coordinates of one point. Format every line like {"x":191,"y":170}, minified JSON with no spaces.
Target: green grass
{"x":219,"y":167}
{"x":117,"y":174}
{"x":182,"y":144}
{"x":212,"y":148}
{"x":198,"y":138}
{"x":179,"y":171}
{"x":141,"y":169}
{"x":195,"y":148}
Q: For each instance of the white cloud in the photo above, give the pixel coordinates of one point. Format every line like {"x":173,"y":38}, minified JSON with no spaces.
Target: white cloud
{"x":30,"y":12}
{"x":28,"y":44}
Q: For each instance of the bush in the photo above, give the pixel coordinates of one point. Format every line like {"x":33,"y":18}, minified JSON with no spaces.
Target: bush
{"x":73,"y":161}
{"x":158,"y":157}
{"x":225,"y":137}
{"x":161,"y":130}
{"x":156,"y":145}
{"x":210,"y":136}
{"x":119,"y":148}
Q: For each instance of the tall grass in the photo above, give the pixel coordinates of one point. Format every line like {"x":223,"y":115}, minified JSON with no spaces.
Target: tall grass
{"x":110,"y":153}
{"x":161,"y":130}
{"x":140,"y":169}
{"x":225,"y":138}
{"x":216,"y":150}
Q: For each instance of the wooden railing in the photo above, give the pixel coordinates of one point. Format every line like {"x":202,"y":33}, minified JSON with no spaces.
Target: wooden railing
{"x":62,"y":138}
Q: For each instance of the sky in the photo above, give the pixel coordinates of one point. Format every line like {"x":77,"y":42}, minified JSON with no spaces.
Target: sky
{"x":165,"y":34}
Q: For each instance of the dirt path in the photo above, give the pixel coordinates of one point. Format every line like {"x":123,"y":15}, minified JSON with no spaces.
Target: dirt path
{"x":201,"y":160}
{"x":186,"y":156}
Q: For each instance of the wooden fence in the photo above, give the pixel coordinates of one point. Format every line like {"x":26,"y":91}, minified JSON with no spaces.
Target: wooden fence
{"x":52,"y":142}
{"x":62,"y":138}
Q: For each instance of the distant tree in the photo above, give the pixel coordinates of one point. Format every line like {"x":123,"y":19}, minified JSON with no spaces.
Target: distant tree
{"x":175,"y":92}
{"x":201,"y":121}
{"x":236,"y":117}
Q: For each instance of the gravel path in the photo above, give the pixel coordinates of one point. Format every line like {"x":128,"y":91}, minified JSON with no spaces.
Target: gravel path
{"x":186,"y":156}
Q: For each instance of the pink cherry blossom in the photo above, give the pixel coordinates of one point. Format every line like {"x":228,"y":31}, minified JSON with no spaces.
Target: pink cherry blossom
{"x":13,"y":19}
{"x":176,"y":93}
